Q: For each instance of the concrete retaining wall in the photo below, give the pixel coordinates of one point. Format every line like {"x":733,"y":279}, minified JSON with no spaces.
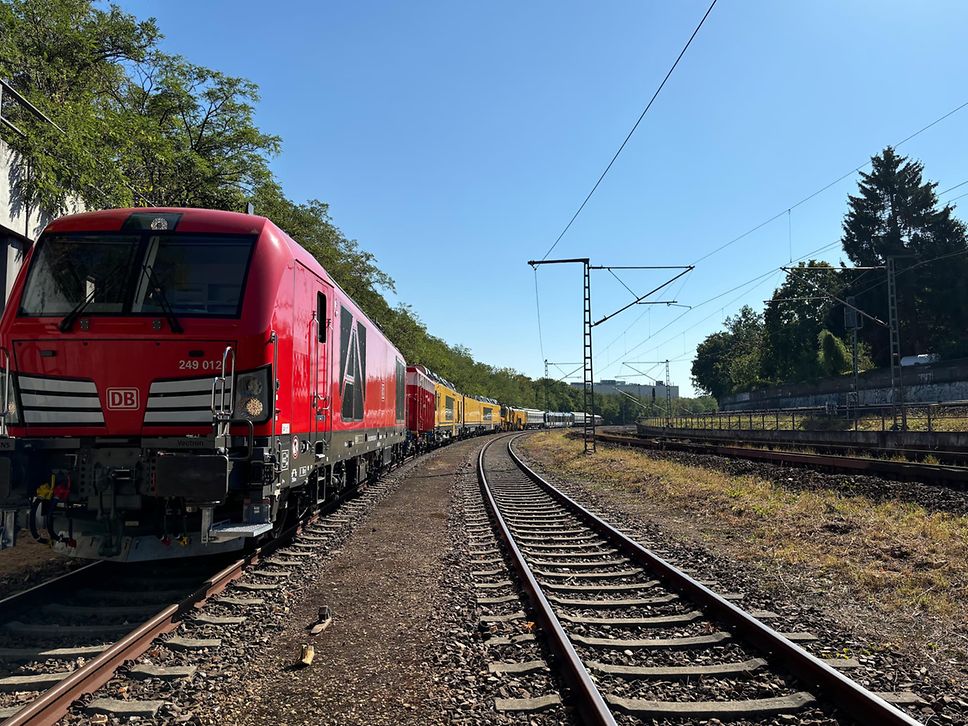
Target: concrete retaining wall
{"x":933,"y":383}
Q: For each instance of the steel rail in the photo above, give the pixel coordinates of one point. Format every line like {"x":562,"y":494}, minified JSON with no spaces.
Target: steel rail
{"x":42,"y":589}
{"x":590,"y":702}
{"x":863,"y":705}
{"x":54,"y":703}
{"x":902,"y":469}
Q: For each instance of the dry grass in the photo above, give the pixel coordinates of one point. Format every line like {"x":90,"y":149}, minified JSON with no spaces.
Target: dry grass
{"x":896,"y":557}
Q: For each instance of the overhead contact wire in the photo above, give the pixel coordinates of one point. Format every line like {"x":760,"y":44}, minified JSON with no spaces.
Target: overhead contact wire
{"x":634,"y":127}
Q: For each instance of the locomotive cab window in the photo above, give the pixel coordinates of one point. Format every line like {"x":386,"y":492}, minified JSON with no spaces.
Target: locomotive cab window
{"x":125,"y":274}
{"x":67,"y":271}
{"x":192,"y":275}
{"x":321,"y":319}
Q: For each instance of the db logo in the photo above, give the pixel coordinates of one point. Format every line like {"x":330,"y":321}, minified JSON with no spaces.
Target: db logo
{"x":122,"y":399}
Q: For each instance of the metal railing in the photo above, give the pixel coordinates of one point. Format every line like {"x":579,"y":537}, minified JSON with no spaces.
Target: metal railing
{"x":950,"y":416}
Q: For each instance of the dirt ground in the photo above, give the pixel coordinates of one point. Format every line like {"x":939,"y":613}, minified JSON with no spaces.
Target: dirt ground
{"x":892,"y":574}
{"x":384,"y":590}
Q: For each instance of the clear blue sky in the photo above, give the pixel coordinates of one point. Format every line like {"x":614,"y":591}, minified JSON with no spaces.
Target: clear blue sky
{"x":454,"y":140}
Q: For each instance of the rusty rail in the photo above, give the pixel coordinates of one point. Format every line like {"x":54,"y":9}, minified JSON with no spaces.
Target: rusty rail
{"x":590,"y":702}
{"x":915,"y":470}
{"x":863,"y":705}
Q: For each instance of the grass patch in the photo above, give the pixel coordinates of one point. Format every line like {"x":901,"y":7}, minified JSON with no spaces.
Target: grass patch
{"x":895,"y":556}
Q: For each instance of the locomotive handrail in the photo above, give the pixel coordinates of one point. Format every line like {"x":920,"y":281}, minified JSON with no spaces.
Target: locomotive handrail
{"x":6,"y":391}
{"x":274,"y":382}
{"x":314,"y":332}
{"x":249,"y":439}
{"x":223,"y":412}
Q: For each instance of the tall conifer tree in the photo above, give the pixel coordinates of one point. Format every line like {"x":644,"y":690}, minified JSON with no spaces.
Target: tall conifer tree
{"x":896,"y":214}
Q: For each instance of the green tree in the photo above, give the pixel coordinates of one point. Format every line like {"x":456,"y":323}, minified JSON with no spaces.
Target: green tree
{"x":133,"y":125}
{"x":832,"y":356}
{"x":192,"y":138}
{"x":896,"y":214}
{"x":794,"y":317}
{"x":730,"y":361}
{"x":68,"y":58}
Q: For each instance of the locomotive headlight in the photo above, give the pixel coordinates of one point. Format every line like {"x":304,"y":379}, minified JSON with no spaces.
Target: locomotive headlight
{"x":251,"y":397}
{"x":252,"y":407}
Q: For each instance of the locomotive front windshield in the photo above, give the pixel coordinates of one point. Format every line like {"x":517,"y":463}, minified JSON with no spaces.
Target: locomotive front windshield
{"x":190,"y":275}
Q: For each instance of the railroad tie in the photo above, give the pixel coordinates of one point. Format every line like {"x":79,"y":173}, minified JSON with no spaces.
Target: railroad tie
{"x":115,"y":707}
{"x":517,"y":615}
{"x":487,"y":573}
{"x":207,"y":619}
{"x":620,"y":587}
{"x":901,"y":698}
{"x":623,"y":603}
{"x":745,"y":668}
{"x":695,"y":641}
{"x":590,"y":575}
{"x":311,"y":538}
{"x":241,"y":601}
{"x":493,"y":585}
{"x":529,"y":666}
{"x":56,"y":631}
{"x":528,"y":705}
{"x":32,"y":682}
{"x":29,"y":654}
{"x":497,"y":600}
{"x":712,"y":709}
{"x":800,"y":637}
{"x":658,"y":621}
{"x":842,"y":663}
{"x":164,"y":673}
{"x":179,"y":643}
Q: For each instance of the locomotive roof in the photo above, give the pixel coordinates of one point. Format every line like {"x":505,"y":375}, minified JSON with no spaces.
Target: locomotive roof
{"x":189,"y":220}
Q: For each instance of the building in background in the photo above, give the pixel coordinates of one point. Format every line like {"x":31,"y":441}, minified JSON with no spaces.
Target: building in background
{"x":20,"y":224}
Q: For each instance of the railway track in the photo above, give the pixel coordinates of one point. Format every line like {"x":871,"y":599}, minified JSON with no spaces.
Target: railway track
{"x":67,"y":637}
{"x":634,"y":637}
{"x":949,"y":474}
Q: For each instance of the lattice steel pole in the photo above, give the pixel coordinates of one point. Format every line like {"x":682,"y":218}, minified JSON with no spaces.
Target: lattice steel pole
{"x":589,"y":387}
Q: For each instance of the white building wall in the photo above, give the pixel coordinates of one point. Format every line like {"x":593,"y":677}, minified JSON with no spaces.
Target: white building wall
{"x":19,"y":226}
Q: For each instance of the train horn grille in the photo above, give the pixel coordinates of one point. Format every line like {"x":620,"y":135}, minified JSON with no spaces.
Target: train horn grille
{"x":182,"y":401}
{"x":59,"y":401}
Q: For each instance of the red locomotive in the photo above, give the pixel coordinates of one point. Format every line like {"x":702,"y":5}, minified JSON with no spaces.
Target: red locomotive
{"x":421,"y":408}
{"x":176,"y":381}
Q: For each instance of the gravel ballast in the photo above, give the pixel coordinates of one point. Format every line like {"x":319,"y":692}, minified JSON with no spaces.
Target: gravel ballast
{"x":893,"y":654}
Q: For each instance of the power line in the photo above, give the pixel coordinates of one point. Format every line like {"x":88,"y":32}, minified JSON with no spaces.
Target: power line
{"x":634,"y":127}
{"x":824,"y":188}
{"x":951,"y":189}
{"x":537,"y":305}
{"x":758,"y":279}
